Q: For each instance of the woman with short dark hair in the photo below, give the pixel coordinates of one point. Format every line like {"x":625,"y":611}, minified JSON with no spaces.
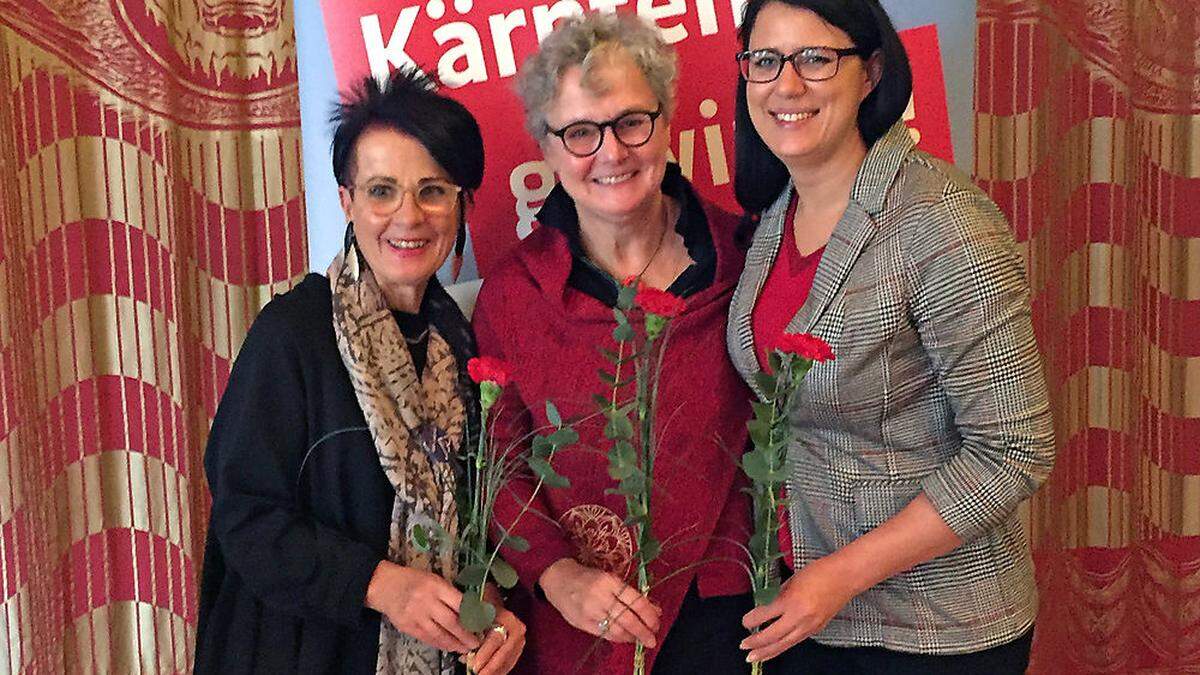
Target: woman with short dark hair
{"x":342,"y":424}
{"x":911,"y":450}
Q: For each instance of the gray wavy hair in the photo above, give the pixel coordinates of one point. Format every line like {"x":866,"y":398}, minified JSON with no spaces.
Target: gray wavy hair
{"x":589,"y":41}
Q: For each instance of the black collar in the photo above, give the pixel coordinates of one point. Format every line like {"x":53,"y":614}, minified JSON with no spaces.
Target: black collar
{"x":559,"y":212}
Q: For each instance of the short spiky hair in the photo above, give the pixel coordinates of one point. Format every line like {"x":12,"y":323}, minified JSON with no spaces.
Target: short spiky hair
{"x":408,"y":102}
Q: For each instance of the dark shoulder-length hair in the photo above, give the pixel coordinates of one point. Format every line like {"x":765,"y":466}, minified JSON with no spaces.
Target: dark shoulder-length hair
{"x":759,"y":175}
{"x":408,"y":102}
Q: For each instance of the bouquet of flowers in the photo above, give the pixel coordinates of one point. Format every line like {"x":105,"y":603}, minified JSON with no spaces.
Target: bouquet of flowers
{"x":766,"y":463}
{"x":488,"y":468}
{"x":629,"y":426}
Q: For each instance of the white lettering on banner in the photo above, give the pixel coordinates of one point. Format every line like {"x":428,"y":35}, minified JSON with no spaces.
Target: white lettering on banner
{"x":672,"y":34}
{"x":501,"y":27}
{"x":463,"y":62}
{"x":529,"y":198}
{"x":910,"y":114}
{"x":381,"y":56}
{"x":468,"y":49}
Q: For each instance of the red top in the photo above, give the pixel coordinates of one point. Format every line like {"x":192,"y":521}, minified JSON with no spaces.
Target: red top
{"x":782,"y":296}
{"x":551,"y":333}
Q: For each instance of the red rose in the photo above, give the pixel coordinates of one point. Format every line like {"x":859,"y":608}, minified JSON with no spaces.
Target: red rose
{"x":660,"y":303}
{"x":805,"y":346}
{"x":488,"y":369}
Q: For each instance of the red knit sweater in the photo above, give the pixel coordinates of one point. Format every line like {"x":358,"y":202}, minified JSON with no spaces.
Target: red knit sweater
{"x":552,"y":334}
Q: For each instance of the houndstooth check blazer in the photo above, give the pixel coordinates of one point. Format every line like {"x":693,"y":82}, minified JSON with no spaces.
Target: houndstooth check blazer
{"x":937,"y":387}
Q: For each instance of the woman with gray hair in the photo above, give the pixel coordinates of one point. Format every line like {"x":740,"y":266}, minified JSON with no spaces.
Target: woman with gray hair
{"x":599,"y":97}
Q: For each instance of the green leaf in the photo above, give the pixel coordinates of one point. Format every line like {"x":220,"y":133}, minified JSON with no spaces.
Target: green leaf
{"x":765,"y":382}
{"x":471,"y":575}
{"x":542,"y":469}
{"x":632,"y":485}
{"x":541,"y":446}
{"x":649,"y":549}
{"x":607,"y":377}
{"x":503,"y":573}
{"x":618,"y":471}
{"x":625,"y":297}
{"x":763,"y":411}
{"x":475,"y":614}
{"x":764,"y":596}
{"x":552,"y":414}
{"x":420,"y":539}
{"x":618,"y":428}
{"x":775,"y":362}
{"x":564,"y":437}
{"x":760,"y":433}
{"x":757,"y":466}
{"x":601,"y":401}
{"x":518,"y":544}
{"x":624,"y":333}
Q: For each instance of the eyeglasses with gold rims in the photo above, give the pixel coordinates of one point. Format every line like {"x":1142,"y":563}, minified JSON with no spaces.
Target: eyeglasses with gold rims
{"x":633,"y":129}
{"x":434,"y":196}
{"x":815,"y":64}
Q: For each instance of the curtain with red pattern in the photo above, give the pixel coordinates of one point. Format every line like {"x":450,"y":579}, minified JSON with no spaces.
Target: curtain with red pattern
{"x":151,"y":204}
{"x":1088,"y":136}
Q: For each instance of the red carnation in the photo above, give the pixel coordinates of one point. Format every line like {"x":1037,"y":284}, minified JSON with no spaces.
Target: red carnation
{"x":805,"y":346}
{"x":488,"y":369}
{"x":661,"y":303}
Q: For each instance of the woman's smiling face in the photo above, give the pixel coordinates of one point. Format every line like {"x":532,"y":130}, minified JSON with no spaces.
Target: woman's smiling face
{"x":805,"y":123}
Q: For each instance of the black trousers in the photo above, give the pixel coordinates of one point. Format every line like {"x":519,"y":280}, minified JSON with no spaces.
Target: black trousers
{"x":812,"y":658}
{"x":705,"y":637}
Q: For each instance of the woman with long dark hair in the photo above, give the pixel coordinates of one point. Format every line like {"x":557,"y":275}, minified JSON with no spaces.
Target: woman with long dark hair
{"x":910,"y":451}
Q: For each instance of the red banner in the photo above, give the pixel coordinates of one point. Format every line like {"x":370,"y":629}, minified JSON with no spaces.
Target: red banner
{"x":476,"y":47}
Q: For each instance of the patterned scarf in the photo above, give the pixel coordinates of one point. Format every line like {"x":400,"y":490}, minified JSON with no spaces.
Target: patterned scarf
{"x":417,"y":424}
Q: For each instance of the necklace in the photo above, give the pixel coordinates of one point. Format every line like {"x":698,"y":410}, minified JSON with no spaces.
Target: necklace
{"x":662,"y":237}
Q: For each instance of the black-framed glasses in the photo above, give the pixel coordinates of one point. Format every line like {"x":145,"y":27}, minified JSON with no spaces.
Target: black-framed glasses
{"x":434,"y":196}
{"x":814,"y":64}
{"x":584,"y":138}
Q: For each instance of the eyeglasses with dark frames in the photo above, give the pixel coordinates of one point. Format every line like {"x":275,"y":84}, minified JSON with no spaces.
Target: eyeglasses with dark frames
{"x":584,"y":138}
{"x":815,"y":64}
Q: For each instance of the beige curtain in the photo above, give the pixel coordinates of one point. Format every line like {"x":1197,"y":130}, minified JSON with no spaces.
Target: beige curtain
{"x":151,"y":203}
{"x":1088,"y":135}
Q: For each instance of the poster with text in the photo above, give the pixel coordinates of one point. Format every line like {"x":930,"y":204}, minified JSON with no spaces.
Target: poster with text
{"x":475,"y":48}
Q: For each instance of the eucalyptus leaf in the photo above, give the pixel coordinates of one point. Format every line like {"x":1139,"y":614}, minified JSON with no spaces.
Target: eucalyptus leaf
{"x":763,"y":411}
{"x":541,"y":446}
{"x":543,"y":470}
{"x":471,"y":575}
{"x":420,"y":539}
{"x":518,"y":544}
{"x":503,"y":573}
{"x":756,"y":466}
{"x":474,"y":614}
{"x":649,"y":549}
{"x":618,"y":428}
{"x":607,"y":377}
{"x":564,"y":437}
{"x":625,"y":296}
{"x":624,"y":333}
{"x":552,"y":414}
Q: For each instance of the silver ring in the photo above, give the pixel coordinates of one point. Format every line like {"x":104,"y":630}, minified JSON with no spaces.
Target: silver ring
{"x":501,"y":630}
{"x":603,"y":625}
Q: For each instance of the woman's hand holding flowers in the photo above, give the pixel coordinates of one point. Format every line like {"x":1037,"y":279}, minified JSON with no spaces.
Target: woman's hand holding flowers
{"x":420,"y":604}
{"x":599,"y":603}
